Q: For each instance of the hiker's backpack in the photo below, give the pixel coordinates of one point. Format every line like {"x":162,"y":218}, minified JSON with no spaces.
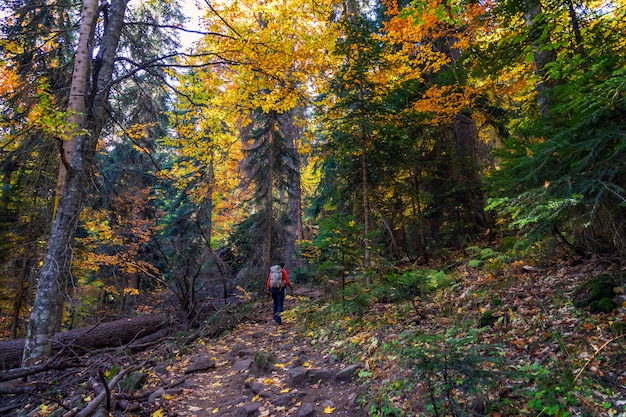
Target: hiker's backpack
{"x":276,"y":277}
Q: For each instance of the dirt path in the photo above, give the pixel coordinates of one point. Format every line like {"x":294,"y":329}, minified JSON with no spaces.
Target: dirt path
{"x":262,"y":369}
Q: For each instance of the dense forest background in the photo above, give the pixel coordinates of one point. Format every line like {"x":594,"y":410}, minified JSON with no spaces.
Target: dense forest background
{"x":352,"y":140}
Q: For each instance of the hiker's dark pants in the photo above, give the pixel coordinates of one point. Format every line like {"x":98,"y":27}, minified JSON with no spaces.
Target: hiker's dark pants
{"x":278,"y":295}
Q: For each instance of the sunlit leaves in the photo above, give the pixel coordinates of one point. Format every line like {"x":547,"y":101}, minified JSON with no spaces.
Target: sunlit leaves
{"x":113,"y":244}
{"x":433,"y":37}
{"x":271,"y":54}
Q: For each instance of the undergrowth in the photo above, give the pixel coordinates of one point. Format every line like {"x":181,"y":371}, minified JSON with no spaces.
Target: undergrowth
{"x":426,"y":349}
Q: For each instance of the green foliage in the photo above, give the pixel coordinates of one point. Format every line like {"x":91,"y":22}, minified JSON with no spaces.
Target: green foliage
{"x":574,"y":179}
{"x":414,"y":285}
{"x":535,"y":212}
{"x":597,"y":294}
{"x":357,"y":299}
{"x":339,"y":248}
{"x":490,"y":259}
{"x":447,"y":364}
{"x":549,"y":396}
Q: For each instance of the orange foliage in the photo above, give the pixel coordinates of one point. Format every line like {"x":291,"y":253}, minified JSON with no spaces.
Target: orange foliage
{"x":433,"y":35}
{"x":116,"y":242}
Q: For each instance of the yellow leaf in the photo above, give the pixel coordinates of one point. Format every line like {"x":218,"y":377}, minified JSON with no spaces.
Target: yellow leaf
{"x":158,"y":413}
{"x":215,"y":410}
{"x":256,"y":397}
{"x":329,"y":410}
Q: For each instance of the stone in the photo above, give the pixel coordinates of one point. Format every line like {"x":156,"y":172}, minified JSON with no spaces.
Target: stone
{"x":283,"y":400}
{"x":240,"y":351}
{"x":306,"y":410}
{"x":202,"y":363}
{"x":321,"y":374}
{"x":347,"y":373}
{"x":242,"y":365}
{"x":297,"y":376}
{"x":289,"y":399}
{"x":156,"y":394}
{"x":249,"y":409}
{"x":328,"y":404}
{"x":255,"y":387}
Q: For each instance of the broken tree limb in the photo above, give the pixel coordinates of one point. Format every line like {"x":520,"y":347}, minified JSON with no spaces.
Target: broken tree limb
{"x":115,"y":333}
{"x":93,"y":405}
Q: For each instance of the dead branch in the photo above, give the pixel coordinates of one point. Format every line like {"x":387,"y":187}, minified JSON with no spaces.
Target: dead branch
{"x":93,"y":405}
{"x":50,"y":365}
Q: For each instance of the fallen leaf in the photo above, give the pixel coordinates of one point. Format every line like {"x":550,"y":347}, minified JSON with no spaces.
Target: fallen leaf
{"x":329,"y":410}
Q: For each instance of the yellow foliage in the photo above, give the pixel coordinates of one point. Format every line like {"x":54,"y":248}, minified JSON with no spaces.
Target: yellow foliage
{"x":131,"y":291}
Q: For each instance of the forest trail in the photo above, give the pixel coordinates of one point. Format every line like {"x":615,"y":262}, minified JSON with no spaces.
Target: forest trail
{"x":263,"y":369}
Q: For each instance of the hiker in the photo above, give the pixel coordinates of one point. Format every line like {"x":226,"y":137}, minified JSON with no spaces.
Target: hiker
{"x":277,"y":282}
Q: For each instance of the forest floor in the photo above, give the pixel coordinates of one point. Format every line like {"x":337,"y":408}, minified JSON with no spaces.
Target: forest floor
{"x":264,"y":369}
{"x":496,"y":342}
{"x":489,"y":338}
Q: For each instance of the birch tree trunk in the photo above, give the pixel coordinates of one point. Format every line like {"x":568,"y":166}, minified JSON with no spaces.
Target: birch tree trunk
{"x":89,"y":119}
{"x":78,"y":90}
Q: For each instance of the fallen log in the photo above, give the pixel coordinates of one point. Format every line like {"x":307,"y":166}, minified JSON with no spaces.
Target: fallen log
{"x":111,"y":334}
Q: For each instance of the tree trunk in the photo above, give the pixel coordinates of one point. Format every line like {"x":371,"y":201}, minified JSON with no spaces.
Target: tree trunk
{"x":207,"y":230}
{"x":78,"y":91}
{"x":53,"y":278}
{"x":270,"y":204}
{"x":20,"y":283}
{"x":115,"y":333}
{"x":293,"y":133}
{"x":542,"y":56}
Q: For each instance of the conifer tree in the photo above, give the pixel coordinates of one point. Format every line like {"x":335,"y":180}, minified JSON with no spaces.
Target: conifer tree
{"x":269,"y":165}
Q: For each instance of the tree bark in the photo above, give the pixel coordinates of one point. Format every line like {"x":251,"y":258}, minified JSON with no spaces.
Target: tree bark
{"x":78,"y":91}
{"x":533,"y":14}
{"x":53,"y":278}
{"x":115,"y":333}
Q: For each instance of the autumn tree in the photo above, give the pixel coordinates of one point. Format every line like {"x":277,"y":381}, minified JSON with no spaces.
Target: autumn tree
{"x":201,"y":189}
{"x":79,"y":132}
{"x":262,"y":62}
{"x":439,"y":35}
